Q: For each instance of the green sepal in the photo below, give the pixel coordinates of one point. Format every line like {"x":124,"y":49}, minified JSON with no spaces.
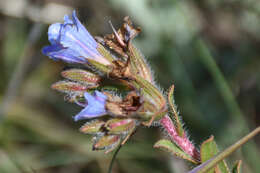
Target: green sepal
{"x":150,"y":94}
{"x":116,"y":85}
{"x":105,"y":53}
{"x":101,"y":67}
{"x":92,"y":127}
{"x":147,"y":111}
{"x":172,"y":148}
{"x":208,"y":150}
{"x":82,"y":76}
{"x":68,"y":87}
{"x":237,"y":167}
{"x":147,"y":88}
{"x":118,"y":126}
{"x":138,"y":63}
{"x":157,"y":116}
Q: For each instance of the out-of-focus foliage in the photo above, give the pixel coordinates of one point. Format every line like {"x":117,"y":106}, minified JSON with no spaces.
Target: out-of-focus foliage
{"x":208,"y":49}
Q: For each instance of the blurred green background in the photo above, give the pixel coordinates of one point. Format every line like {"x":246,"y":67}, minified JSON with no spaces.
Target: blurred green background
{"x":209,"y":49}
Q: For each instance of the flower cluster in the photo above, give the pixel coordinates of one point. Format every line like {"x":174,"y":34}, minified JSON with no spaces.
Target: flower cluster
{"x":114,"y":84}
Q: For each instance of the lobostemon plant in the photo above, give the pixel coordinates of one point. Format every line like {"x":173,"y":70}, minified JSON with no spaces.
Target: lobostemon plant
{"x":116,"y":89}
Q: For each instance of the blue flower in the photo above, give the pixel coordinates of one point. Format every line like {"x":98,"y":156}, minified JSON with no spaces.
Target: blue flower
{"x":95,"y":106}
{"x":72,"y":43}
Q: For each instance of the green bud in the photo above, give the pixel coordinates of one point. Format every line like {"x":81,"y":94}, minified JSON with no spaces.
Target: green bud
{"x":67,"y":87}
{"x":107,"y":142}
{"x":92,"y":127}
{"x":117,"y":126}
{"x":81,"y":76}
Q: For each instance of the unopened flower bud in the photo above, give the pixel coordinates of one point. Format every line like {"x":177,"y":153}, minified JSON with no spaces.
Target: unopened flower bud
{"x":67,"y":87}
{"x":81,"y":76}
{"x":117,"y":126}
{"x":92,"y":127}
{"x":107,"y":142}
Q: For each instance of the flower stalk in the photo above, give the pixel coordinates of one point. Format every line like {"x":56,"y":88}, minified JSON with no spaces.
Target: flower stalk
{"x":182,"y":141}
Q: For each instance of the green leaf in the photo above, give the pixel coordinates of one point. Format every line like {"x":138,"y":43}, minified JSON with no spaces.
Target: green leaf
{"x":172,"y":148}
{"x":237,"y":167}
{"x":172,"y":105}
{"x":208,"y":150}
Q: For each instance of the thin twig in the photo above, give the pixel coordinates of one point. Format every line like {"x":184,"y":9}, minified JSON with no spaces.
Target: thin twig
{"x":113,"y":159}
{"x":205,"y":167}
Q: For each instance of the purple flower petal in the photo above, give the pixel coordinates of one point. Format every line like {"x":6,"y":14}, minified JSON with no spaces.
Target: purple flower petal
{"x":95,"y":106}
{"x":54,"y":33}
{"x":73,"y":41}
{"x":82,"y":29}
{"x":57,"y":52}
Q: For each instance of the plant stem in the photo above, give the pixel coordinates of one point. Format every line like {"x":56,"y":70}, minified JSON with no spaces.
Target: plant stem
{"x":251,"y":150}
{"x":113,"y":159}
{"x":203,"y":168}
{"x":183,"y":142}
